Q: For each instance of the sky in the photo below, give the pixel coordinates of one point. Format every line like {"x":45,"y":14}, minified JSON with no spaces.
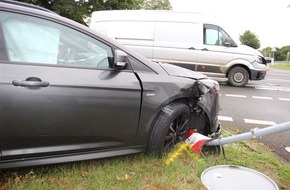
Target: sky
{"x":268,"y":19}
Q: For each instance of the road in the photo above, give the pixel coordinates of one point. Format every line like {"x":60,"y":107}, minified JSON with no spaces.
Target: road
{"x":257,"y":105}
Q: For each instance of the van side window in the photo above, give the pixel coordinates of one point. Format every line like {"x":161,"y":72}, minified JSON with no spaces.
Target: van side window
{"x":45,"y":42}
{"x":214,"y":35}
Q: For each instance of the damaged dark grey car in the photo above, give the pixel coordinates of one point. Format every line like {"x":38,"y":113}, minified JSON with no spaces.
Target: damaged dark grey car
{"x":70,"y":94}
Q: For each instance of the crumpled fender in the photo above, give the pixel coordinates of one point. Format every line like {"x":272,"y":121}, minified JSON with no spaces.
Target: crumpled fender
{"x":207,"y":102}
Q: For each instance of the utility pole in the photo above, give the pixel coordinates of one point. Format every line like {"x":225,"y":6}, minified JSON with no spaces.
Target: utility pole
{"x":273,"y":57}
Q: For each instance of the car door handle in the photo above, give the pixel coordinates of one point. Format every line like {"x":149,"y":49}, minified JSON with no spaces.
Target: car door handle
{"x":31,"y":83}
{"x":204,"y":49}
{"x":191,"y":48}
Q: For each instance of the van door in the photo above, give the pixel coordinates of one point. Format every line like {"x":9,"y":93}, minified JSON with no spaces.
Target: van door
{"x":216,"y":50}
{"x":176,"y":43}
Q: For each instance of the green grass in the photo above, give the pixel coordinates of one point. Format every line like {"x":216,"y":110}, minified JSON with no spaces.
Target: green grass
{"x":146,"y":172}
{"x":281,"y":66}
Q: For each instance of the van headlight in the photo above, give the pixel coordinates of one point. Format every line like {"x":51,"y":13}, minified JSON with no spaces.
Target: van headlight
{"x":258,"y":59}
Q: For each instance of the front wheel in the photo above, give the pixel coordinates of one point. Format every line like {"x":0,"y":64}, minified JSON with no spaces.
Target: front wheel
{"x":238,"y":76}
{"x":170,"y":128}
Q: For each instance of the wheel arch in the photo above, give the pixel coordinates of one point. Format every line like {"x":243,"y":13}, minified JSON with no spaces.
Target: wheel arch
{"x":199,"y":118}
{"x":239,"y":65}
{"x":183,"y":100}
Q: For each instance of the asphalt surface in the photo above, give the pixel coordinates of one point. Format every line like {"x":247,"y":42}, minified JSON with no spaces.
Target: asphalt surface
{"x":257,"y":105}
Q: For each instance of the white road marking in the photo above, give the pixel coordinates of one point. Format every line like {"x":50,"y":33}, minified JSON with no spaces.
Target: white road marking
{"x":225,"y":118}
{"x":274,"y":89}
{"x":236,"y":95}
{"x":263,"y":98}
{"x":255,"y":97}
{"x":287,"y":149}
{"x":259,"y":122}
{"x":250,"y":121}
{"x":150,"y":94}
{"x":284,"y":99}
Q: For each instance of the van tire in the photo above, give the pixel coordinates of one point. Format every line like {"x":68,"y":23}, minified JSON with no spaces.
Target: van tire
{"x":238,"y":76}
{"x":170,"y":128}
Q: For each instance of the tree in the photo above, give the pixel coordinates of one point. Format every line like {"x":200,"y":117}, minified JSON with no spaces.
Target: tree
{"x":284,"y":51}
{"x":267,"y":52}
{"x":79,"y":9}
{"x":280,"y":53}
{"x":250,"y":39}
{"x":75,"y":10}
{"x":156,"y":5}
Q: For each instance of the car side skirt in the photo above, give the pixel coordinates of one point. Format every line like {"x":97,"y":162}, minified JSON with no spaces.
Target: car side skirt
{"x":83,"y":156}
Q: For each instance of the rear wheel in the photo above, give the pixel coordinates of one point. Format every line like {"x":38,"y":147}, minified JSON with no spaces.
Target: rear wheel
{"x":238,"y":76}
{"x":170,"y":128}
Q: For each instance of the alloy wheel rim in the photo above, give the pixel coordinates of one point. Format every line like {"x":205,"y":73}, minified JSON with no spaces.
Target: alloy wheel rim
{"x":176,"y":133}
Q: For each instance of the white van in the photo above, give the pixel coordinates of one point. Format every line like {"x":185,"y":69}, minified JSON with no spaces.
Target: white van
{"x":184,"y":39}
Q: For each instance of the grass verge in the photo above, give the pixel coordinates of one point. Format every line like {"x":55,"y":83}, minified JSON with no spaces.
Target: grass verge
{"x":281,"y":66}
{"x":146,"y":172}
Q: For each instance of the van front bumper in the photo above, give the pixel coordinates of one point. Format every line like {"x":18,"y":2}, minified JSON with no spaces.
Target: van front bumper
{"x":258,"y":75}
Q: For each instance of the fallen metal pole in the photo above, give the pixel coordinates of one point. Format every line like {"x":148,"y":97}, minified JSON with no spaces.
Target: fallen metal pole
{"x":254,"y":133}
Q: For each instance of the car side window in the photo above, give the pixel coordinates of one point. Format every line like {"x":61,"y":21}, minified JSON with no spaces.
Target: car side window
{"x":34,"y":40}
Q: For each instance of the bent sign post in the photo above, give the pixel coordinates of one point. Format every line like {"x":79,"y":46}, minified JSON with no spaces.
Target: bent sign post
{"x":198,"y":141}
{"x":254,"y":133}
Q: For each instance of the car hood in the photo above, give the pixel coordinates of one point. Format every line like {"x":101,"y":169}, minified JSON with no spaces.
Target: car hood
{"x":174,"y":70}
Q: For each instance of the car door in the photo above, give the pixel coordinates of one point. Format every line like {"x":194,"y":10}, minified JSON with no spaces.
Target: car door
{"x":59,"y":92}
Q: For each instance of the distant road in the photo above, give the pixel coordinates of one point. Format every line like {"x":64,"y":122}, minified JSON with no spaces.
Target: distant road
{"x":259,"y":104}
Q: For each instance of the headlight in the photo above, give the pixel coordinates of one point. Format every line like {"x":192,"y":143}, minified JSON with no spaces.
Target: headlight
{"x":258,"y":59}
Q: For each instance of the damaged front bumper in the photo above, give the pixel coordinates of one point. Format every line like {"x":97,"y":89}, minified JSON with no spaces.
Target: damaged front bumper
{"x":206,"y":108}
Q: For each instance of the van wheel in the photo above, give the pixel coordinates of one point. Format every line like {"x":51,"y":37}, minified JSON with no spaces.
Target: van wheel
{"x":170,"y":128}
{"x":238,"y":76}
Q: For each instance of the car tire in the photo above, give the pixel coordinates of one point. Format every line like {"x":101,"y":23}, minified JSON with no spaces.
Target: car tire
{"x":170,"y":128}
{"x":238,"y":76}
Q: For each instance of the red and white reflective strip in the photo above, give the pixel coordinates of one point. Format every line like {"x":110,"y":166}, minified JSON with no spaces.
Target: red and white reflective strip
{"x":196,"y":140}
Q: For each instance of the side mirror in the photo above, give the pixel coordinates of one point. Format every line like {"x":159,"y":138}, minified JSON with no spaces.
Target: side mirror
{"x":229,"y":43}
{"x":120,"y":59}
